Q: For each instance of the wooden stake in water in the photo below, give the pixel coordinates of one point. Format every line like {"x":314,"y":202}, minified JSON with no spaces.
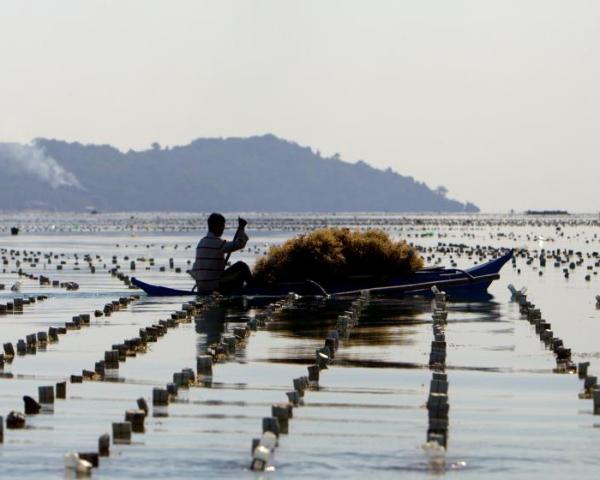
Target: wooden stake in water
{"x":281,"y":412}
{"x":596,"y":397}
{"x":61,"y":390}
{"x":271,"y":424}
{"x":136,"y":418}
{"x":121,"y":432}
{"x":46,"y":395}
{"x":104,"y":445}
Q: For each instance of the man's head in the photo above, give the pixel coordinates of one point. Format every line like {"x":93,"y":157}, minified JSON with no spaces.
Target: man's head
{"x":216,"y":224}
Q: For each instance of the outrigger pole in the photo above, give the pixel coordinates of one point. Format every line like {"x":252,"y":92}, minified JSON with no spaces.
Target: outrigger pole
{"x":413,"y":286}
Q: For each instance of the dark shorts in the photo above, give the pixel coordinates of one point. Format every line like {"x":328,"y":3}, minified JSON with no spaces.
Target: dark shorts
{"x":233,"y":278}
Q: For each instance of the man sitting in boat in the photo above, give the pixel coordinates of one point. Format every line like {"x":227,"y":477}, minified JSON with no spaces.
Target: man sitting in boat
{"x":209,"y":268}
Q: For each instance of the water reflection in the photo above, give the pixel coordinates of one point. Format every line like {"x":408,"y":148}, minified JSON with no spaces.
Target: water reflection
{"x":216,"y":329}
{"x":380,"y":322}
{"x":210,"y":326}
{"x":387,"y":330}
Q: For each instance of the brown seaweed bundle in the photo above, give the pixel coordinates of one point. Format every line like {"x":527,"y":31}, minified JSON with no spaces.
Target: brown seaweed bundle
{"x":335,"y":254}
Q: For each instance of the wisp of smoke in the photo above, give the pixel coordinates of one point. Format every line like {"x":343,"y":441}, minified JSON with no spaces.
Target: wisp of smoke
{"x":32,"y":159}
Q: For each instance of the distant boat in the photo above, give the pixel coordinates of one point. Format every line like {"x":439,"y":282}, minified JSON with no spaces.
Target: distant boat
{"x":546,"y":212}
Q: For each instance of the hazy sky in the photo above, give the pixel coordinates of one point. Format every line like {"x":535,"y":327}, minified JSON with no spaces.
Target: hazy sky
{"x":498,"y":100}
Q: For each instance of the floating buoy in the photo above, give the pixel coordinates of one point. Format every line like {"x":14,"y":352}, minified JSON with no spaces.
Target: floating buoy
{"x":435,"y":452}
{"x":91,"y":457}
{"x":15,"y":420}
{"x":80,"y":466}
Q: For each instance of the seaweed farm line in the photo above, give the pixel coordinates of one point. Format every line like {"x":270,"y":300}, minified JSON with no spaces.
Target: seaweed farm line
{"x":184,"y":388}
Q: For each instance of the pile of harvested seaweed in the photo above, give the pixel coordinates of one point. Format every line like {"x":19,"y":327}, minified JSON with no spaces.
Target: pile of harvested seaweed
{"x":335,"y":254}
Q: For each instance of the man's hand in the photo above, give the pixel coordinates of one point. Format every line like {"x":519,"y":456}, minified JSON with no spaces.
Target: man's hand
{"x":242,"y":223}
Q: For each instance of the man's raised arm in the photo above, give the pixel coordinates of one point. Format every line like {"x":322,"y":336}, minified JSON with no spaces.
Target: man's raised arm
{"x":240,"y":239}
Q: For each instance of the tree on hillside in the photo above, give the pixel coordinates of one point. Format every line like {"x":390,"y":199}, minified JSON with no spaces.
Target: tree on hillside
{"x":441,"y":191}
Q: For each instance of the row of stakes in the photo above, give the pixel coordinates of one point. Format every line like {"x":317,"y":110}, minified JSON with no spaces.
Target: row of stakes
{"x":591,"y":389}
{"x":123,"y":278}
{"x":39,"y":341}
{"x":115,"y":272}
{"x":108,"y":368}
{"x":17,"y":304}
{"x":46,"y":395}
{"x":480,"y":252}
{"x":80,"y":462}
{"x":83,"y":462}
{"x":34,"y":260}
{"x":45,"y":404}
{"x":161,"y":397}
{"x":294,"y":223}
{"x":46,"y":281}
{"x":437,"y":401}
{"x":227,"y":345}
{"x":134,"y":421}
{"x":559,"y":260}
{"x":564,"y":363}
{"x":71,"y":286}
{"x":263,"y":448}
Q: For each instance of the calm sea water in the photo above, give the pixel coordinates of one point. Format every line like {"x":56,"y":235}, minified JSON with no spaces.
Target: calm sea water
{"x":510,"y":415}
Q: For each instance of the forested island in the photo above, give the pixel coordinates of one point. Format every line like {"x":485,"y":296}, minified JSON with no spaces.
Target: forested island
{"x":262,"y":173}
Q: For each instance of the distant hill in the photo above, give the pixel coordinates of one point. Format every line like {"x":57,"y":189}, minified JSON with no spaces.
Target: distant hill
{"x":262,"y":173}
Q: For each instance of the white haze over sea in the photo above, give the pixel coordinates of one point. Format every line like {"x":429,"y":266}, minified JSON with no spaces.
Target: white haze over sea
{"x":32,"y":160}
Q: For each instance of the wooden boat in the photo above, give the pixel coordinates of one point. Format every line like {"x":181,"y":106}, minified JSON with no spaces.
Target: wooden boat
{"x":469,"y":283}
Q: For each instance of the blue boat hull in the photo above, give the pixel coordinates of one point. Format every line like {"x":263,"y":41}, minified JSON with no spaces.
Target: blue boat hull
{"x":469,"y":283}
